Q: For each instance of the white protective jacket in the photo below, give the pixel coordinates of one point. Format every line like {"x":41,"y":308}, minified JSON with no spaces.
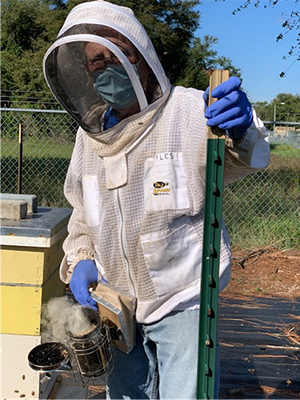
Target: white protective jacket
{"x":138,"y":189}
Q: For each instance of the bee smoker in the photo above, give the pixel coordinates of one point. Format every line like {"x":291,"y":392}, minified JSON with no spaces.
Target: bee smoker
{"x":48,"y":357}
{"x":87,"y":352}
{"x":92,"y":352}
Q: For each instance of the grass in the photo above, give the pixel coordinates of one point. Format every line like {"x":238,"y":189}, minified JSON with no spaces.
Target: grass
{"x":284,"y":151}
{"x":264,"y":209}
{"x":35,"y":147}
{"x":282,"y":232}
{"x":44,"y":168}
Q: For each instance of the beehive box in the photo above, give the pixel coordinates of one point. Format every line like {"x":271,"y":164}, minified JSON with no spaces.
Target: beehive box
{"x":31,"y":252}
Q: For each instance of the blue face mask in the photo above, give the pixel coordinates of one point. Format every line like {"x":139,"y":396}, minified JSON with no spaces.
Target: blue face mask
{"x":114,"y":86}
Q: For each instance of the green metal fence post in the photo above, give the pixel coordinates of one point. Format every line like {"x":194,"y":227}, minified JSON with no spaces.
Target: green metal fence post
{"x":211,"y":254}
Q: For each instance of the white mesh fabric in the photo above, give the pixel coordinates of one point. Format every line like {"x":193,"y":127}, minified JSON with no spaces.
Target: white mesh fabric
{"x":67,"y":76}
{"x":122,"y":227}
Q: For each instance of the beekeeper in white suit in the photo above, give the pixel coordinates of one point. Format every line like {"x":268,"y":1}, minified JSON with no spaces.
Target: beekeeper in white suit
{"x":136,"y":182}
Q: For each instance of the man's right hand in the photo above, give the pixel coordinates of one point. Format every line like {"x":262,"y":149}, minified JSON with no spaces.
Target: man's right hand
{"x":85,"y":273}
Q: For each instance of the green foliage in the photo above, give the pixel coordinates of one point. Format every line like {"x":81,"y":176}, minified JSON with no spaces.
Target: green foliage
{"x":288,"y":107}
{"x":170,"y":25}
{"x":28,"y":28}
{"x":283,"y":151}
{"x":284,"y":107}
{"x":201,"y":59}
{"x":274,"y":194}
{"x":21,"y":25}
{"x":275,"y":197}
{"x":264,"y":110}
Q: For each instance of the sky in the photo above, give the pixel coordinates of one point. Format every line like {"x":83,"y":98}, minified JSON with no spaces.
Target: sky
{"x":248,"y":39}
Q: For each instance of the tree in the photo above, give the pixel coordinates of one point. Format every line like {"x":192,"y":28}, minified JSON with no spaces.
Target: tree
{"x":287,"y":107}
{"x":21,"y":25}
{"x":264,"y":110}
{"x":29,"y":27}
{"x":27,"y":30}
{"x":170,"y":25}
{"x":284,"y":107}
{"x":201,"y":59}
{"x":292,"y":23}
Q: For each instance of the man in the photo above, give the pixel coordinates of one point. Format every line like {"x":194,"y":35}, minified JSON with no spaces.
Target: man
{"x":136,"y":182}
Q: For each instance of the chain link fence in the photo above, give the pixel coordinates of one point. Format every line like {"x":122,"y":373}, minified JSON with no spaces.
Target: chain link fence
{"x":36,"y":147}
{"x":261,"y":210}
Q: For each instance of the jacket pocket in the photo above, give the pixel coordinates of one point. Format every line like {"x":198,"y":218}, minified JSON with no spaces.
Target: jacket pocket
{"x":173,"y":259}
{"x":91,"y":199}
{"x":165,"y":183}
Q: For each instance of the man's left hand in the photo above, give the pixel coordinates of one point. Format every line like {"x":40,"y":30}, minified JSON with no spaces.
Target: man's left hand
{"x":232,"y":111}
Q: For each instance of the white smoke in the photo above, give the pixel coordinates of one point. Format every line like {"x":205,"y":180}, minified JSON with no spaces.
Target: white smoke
{"x":62,"y":315}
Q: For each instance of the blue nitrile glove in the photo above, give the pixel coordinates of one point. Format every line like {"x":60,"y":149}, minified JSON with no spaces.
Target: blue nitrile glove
{"x":232,"y":111}
{"x":85,"y":273}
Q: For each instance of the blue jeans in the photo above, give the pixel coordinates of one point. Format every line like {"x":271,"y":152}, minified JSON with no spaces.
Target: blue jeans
{"x":164,"y":362}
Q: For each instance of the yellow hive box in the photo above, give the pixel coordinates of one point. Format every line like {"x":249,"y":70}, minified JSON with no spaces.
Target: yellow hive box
{"x":31,"y":252}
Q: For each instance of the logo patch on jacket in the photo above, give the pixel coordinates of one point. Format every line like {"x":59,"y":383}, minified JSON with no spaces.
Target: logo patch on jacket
{"x":165,"y":183}
{"x":160,"y":188}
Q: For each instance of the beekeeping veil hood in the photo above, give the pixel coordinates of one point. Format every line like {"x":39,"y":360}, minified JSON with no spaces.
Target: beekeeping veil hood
{"x":65,"y":63}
